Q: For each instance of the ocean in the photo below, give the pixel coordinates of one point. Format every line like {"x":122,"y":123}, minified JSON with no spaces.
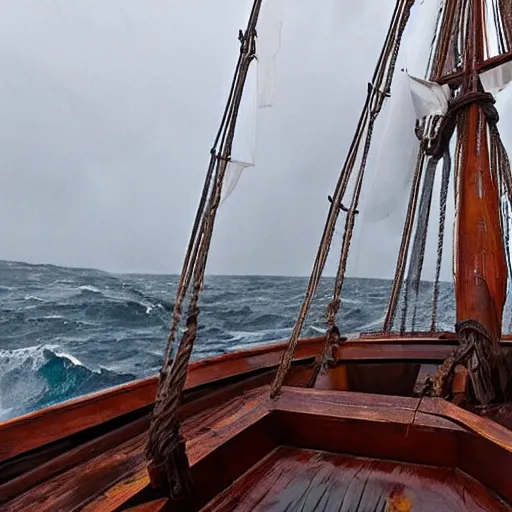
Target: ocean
{"x":66,"y":332}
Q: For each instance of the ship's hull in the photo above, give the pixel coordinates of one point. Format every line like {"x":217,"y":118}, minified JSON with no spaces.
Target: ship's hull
{"x":322,"y":448}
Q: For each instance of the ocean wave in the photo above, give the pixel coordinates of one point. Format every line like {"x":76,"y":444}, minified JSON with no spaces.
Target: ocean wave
{"x":89,"y":288}
{"x":118,"y":324}
{"x":33,"y":297}
{"x":38,"y":376}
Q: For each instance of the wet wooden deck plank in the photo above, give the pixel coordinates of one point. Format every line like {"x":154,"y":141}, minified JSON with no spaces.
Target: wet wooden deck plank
{"x":292,"y":479}
{"x":201,"y":405}
{"x":56,"y":422}
{"x":347,"y":404}
{"x":71,"y":458}
{"x":349,"y":422}
{"x":110,"y":479}
{"x":152,"y":506}
{"x":115,"y":496}
{"x":75,"y":487}
{"x":488,"y":429}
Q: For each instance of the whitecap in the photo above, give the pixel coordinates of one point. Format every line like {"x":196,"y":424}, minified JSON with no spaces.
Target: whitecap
{"x":33,"y":297}
{"x":89,"y":288}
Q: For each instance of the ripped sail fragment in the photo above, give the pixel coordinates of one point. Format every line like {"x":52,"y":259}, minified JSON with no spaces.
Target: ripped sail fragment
{"x":268,"y":44}
{"x":429,"y":98}
{"x":496,"y":79}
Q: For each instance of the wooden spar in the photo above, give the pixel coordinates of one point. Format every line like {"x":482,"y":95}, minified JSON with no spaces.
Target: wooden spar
{"x":480,"y":274}
{"x":480,"y":271}
{"x":456,"y":77}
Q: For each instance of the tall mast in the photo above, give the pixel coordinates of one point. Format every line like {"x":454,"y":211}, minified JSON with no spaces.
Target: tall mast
{"x":480,"y":271}
{"x":480,"y":266}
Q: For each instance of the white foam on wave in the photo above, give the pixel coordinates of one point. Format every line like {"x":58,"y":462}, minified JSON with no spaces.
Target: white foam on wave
{"x":89,"y":288}
{"x":346,"y":300}
{"x":378,"y":322}
{"x":67,"y":356}
{"x":20,"y":382}
{"x":33,"y":297}
{"x":34,"y":356}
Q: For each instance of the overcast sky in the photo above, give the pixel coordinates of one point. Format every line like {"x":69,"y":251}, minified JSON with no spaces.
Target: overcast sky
{"x":108,"y":110}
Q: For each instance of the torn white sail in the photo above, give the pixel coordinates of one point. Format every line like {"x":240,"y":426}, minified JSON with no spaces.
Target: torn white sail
{"x":244,"y":140}
{"x":496,"y":79}
{"x":429,"y":98}
{"x":268,"y":44}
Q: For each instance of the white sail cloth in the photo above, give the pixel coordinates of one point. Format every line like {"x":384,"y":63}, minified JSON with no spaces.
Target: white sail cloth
{"x":428,"y":98}
{"x":259,"y":92}
{"x":268,"y":43}
{"x":496,"y":79}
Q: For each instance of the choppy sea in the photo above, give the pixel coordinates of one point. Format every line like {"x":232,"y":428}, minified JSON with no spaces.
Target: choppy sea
{"x":65,"y":332}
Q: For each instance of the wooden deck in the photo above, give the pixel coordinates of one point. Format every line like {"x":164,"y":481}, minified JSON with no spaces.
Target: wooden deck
{"x":86,"y":455}
{"x":245,"y":438}
{"x":294,"y":479}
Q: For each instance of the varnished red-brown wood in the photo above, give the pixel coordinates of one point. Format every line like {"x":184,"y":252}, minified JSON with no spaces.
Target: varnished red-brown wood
{"x":99,"y":445}
{"x":293,"y":479}
{"x":72,"y":458}
{"x":480,"y":272}
{"x":152,"y":506}
{"x":228,"y":439}
{"x":78,"y":487}
{"x":75,"y":487}
{"x":21,"y":434}
{"x":363,"y":425}
{"x":57,"y":422}
{"x":486,"y":454}
{"x":373,"y":351}
{"x":491,"y":63}
{"x":384,"y":379}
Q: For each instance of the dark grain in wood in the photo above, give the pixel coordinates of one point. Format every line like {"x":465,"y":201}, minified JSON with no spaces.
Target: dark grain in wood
{"x":57,"y":422}
{"x":291,"y":479}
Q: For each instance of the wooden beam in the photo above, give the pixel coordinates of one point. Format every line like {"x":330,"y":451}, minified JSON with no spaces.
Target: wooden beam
{"x":50,"y":424}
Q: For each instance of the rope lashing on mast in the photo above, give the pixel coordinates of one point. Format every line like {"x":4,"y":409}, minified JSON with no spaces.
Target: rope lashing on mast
{"x":449,"y":121}
{"x":484,"y":360}
{"x":169,"y":465}
{"x":434,"y":148}
{"x":378,"y":90}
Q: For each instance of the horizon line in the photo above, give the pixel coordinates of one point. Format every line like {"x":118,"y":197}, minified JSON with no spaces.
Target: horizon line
{"x":213,"y":274}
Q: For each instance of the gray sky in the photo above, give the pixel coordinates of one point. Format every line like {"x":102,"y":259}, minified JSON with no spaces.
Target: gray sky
{"x":108,"y":111}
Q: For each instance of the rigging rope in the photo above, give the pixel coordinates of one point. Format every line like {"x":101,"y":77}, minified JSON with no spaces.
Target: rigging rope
{"x":166,"y":447}
{"x":505,"y":7}
{"x":405,"y":242}
{"x":378,"y":90}
{"x":445,"y":182}
{"x":419,"y":243}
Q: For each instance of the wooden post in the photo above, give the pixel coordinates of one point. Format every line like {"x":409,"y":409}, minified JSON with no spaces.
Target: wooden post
{"x":480,"y":265}
{"x":480,"y":260}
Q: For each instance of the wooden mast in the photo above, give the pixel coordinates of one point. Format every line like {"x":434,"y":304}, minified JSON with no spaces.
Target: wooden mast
{"x":480,"y":271}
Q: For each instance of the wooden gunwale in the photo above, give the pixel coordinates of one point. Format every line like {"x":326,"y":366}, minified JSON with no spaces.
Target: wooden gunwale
{"x":56,"y":422}
{"x":64,"y":419}
{"x":26,"y":479}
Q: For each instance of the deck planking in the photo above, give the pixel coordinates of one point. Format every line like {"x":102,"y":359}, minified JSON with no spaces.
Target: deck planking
{"x":294,"y":479}
{"x":242,"y":419}
{"x":109,"y":479}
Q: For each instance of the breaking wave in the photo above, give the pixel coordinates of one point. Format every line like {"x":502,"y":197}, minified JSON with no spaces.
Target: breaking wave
{"x":35,"y":377}
{"x":67,"y":332}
